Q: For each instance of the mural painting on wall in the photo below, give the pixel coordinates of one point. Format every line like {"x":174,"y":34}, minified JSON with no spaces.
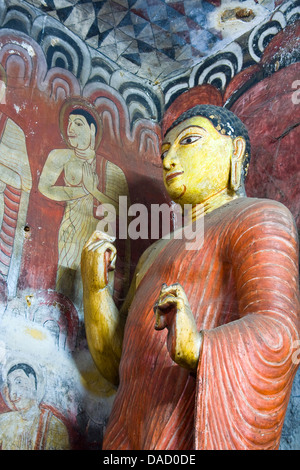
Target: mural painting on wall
{"x":82,"y":131}
{"x":64,"y":155}
{"x":16,"y":182}
{"x":29,"y":425}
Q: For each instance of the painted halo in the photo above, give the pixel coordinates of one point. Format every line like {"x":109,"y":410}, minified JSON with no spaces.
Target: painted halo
{"x":71,"y":105}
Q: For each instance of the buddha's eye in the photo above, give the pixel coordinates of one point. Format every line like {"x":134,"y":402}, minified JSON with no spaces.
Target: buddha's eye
{"x":164,"y":154}
{"x":190,"y":139}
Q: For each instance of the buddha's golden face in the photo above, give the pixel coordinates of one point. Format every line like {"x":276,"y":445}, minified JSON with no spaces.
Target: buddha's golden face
{"x":196,"y":161}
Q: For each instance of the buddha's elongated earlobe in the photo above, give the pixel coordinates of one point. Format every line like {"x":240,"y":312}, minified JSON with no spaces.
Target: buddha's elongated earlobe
{"x":93,"y":136}
{"x":239,"y":147}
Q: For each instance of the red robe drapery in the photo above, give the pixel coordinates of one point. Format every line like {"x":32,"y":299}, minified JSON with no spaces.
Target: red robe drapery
{"x":242,"y":285}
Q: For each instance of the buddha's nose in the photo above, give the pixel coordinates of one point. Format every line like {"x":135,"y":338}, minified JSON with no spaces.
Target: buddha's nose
{"x":167,"y":166}
{"x":169,"y":161}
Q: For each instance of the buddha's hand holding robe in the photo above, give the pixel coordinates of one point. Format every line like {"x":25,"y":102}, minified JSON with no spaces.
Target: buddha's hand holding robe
{"x":173,"y":312}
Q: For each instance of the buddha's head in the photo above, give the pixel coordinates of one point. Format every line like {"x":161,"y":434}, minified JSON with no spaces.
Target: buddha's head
{"x":204,"y":152}
{"x":82,"y":130}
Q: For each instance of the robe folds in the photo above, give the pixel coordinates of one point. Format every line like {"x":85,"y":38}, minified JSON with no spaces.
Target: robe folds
{"x":243,"y":288}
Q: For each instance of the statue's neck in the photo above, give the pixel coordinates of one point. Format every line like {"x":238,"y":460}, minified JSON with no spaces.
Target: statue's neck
{"x":212,"y":202}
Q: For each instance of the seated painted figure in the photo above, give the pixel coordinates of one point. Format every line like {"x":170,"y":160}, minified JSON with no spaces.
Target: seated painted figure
{"x":213,"y":369}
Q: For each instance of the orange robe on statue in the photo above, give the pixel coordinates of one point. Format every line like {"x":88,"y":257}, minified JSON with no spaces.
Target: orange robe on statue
{"x":242,"y":285}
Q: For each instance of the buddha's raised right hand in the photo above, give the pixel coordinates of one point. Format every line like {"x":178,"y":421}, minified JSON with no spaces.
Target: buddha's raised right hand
{"x":103,"y":324}
{"x":97,"y":259}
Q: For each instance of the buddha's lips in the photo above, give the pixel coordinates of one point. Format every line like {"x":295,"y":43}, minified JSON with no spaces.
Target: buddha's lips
{"x":170,"y":176}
